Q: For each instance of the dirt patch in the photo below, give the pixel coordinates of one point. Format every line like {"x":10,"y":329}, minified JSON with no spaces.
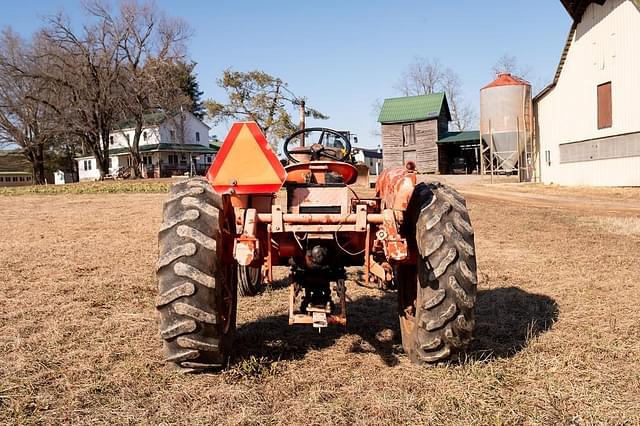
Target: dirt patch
{"x":557,"y":336}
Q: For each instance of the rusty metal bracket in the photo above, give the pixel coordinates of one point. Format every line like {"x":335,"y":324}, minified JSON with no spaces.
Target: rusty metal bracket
{"x":246,"y":245}
{"x":277,"y":224}
{"x":394,"y":246}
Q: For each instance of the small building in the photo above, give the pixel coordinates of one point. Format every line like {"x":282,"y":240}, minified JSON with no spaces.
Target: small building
{"x":411,"y":126}
{"x":372,"y":158}
{"x":588,"y":125}
{"x":416,"y":128}
{"x":15,"y":170}
{"x":168,"y":147}
{"x":459,"y":152}
{"x":61,"y":177}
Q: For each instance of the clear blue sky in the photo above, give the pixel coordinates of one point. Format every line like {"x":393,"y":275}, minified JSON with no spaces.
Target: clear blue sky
{"x":343,"y":55}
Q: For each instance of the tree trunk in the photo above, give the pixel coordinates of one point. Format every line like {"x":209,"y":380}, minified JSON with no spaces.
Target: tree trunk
{"x":103,"y":159}
{"x":38,"y":165}
{"x":134,"y":150}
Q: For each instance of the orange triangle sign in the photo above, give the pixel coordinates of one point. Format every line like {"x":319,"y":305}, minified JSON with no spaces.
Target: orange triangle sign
{"x":246,"y":164}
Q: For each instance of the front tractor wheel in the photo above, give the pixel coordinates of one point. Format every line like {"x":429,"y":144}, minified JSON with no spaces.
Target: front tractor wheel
{"x":250,"y":280}
{"x":437,"y":297}
{"x":196,"y":281}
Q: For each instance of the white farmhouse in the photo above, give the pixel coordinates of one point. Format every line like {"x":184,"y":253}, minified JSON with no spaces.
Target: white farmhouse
{"x":588,"y":119}
{"x":168,"y":146}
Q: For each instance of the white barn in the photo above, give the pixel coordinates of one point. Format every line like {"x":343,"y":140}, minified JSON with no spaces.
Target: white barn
{"x":588,"y":119}
{"x":167,"y":146}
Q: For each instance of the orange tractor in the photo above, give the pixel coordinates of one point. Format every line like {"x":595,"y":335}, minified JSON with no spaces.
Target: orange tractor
{"x":223,"y":235}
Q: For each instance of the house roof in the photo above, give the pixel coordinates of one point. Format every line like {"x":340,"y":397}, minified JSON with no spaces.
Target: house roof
{"x":14,"y":162}
{"x":152,"y":119}
{"x":460,"y":137}
{"x":413,"y":108}
{"x":163,"y":147}
{"x":370,"y":152}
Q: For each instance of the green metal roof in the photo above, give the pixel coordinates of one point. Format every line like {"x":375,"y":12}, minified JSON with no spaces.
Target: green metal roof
{"x":170,"y":147}
{"x":151,"y":119}
{"x":413,"y":108}
{"x":460,"y":137}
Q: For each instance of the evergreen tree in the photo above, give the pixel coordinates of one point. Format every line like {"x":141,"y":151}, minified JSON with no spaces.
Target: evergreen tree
{"x":190,"y":86}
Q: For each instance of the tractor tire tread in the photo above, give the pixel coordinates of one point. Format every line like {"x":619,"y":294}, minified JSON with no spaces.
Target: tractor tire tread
{"x":447,"y":277}
{"x":189,"y":273}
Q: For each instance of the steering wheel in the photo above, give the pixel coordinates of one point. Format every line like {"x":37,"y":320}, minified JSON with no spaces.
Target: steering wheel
{"x":318,"y":150}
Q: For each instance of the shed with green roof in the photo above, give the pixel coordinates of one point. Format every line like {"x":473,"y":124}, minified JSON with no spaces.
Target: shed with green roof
{"x":411,"y":127}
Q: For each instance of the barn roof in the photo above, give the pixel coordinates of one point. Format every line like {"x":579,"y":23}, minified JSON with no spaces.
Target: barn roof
{"x":413,"y":108}
{"x":576,"y":8}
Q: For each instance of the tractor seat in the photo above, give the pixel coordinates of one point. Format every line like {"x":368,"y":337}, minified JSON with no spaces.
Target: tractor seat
{"x":321,"y":172}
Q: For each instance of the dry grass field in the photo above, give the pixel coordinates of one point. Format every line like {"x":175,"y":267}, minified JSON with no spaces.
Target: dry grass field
{"x":557,"y":336}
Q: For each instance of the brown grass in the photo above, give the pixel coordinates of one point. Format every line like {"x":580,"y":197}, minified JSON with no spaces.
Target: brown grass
{"x":558,"y":331}
{"x":615,"y":225}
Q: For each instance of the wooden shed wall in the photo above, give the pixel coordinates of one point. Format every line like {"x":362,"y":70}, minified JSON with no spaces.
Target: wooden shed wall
{"x":425,"y":147}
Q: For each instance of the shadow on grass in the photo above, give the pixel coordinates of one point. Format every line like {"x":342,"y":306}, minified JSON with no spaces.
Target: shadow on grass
{"x":506,"y":320}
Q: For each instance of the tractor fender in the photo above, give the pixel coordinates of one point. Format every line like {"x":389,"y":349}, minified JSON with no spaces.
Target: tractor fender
{"x":395,"y":187}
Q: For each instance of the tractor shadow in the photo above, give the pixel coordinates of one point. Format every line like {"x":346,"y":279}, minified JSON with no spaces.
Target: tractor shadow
{"x":506,"y":320}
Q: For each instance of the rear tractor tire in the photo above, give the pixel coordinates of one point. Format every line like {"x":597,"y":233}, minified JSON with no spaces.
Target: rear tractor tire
{"x":196,"y":282}
{"x":437,"y":296}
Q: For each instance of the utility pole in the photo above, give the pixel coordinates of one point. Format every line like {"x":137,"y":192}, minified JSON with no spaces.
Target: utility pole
{"x":302,"y":120}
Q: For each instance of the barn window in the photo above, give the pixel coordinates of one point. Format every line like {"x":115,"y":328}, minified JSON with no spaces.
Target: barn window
{"x":605,"y":107}
{"x":408,"y":134}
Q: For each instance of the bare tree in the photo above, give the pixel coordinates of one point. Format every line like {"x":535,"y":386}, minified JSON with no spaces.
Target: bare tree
{"x":509,"y":64}
{"x":422,"y":77}
{"x":24,"y":120}
{"x":148,"y":39}
{"x":426,"y":76}
{"x":83,"y":72}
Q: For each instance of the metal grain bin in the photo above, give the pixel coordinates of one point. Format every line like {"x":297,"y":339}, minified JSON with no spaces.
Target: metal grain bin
{"x":506,"y":123}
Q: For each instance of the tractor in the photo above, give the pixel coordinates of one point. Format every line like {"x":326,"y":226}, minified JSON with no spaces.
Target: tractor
{"x":223,"y":234}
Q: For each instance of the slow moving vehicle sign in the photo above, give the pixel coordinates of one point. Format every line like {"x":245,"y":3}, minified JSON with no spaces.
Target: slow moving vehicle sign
{"x":246,"y":164}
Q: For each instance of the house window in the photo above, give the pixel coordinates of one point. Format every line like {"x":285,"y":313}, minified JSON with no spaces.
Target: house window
{"x":197,"y":136}
{"x":87,"y":164}
{"x":173,"y":159}
{"x":111,"y":140}
{"x":144,"y":136}
{"x":408,"y":134}
{"x":1,"y":179}
{"x":172,"y":136}
{"x":110,"y":163}
{"x":208,"y":159}
{"x":605,"y":106}
{"x":21,"y":179}
{"x":15,"y":179}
